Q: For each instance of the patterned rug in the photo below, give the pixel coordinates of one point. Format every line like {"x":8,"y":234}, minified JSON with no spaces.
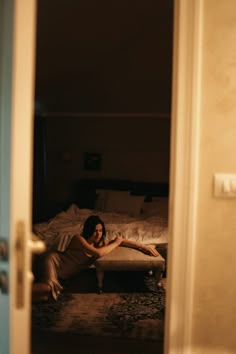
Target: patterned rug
{"x":127,"y":314}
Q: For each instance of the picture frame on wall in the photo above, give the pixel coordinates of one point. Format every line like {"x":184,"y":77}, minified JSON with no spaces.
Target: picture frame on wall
{"x":92,"y":161}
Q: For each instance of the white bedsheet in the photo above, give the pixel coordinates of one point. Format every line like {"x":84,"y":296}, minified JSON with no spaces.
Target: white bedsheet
{"x":58,"y":231}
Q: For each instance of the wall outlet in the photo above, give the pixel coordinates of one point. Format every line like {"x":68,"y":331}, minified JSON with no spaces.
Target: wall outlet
{"x":225,"y":185}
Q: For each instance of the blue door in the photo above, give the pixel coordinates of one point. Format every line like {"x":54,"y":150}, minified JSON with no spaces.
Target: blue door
{"x":6,"y":50}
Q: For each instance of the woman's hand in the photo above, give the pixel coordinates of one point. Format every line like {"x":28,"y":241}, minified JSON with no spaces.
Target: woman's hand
{"x":118,"y":240}
{"x":150,"y":251}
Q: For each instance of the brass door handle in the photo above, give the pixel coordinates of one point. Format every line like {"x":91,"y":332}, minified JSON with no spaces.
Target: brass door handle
{"x":35,"y":246}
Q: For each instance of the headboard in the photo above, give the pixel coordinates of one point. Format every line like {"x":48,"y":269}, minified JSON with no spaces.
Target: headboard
{"x":86,"y":189}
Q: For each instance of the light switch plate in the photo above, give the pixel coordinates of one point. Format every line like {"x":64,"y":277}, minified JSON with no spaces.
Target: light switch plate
{"x":225,"y":185}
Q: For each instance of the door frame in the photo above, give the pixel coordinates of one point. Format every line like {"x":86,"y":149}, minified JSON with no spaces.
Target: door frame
{"x":185,"y":137}
{"x":17,"y":89}
{"x":184,"y":174}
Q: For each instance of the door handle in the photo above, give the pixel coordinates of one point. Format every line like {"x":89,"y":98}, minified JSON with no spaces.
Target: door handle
{"x":36,"y":246}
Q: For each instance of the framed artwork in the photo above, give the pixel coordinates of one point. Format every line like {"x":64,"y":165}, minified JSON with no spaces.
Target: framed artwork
{"x":92,"y":161}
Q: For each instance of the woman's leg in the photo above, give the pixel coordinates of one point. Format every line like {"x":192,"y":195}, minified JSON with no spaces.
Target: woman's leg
{"x":47,"y":283}
{"x":40,"y":292}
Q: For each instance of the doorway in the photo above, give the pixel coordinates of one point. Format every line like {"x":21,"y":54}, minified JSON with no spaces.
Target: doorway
{"x":187,"y":49}
{"x":139,"y":97}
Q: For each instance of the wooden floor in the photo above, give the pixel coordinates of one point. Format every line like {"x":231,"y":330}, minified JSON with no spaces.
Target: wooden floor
{"x":74,"y":344}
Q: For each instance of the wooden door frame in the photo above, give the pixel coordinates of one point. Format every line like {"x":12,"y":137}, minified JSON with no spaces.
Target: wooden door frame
{"x":184,"y":170}
{"x":22,"y":113}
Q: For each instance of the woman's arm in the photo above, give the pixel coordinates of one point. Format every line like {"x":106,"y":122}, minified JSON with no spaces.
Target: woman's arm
{"x":80,"y":242}
{"x":141,"y":247}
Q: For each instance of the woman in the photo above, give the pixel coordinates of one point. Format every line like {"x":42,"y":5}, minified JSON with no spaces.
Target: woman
{"x":80,"y":254}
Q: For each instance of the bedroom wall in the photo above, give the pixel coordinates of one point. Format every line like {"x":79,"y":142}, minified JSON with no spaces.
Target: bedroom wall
{"x":130,"y":148}
{"x":214,"y":314}
{"x":105,"y":67}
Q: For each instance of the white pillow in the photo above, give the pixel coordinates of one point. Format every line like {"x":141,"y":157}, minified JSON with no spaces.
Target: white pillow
{"x":123,"y":202}
{"x":102,"y":196}
{"x":101,"y":199}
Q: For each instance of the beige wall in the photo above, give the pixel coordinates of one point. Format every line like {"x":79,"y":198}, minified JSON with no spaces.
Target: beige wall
{"x":214,"y":316}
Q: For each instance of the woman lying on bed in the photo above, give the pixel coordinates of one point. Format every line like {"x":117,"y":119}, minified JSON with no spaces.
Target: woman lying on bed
{"x":80,"y":254}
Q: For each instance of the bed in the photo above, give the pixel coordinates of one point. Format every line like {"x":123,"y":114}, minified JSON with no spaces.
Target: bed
{"x":133,"y":210}
{"x":137,"y":211}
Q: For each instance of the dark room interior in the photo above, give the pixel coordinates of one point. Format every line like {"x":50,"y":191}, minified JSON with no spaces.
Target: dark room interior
{"x":102,"y":112}
{"x":103,"y":86}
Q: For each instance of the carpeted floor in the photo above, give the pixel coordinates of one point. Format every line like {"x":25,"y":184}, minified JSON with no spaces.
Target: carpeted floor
{"x":131,"y":306}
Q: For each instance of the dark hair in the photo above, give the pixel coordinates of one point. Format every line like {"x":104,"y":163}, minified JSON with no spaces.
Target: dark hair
{"x":89,"y":227}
